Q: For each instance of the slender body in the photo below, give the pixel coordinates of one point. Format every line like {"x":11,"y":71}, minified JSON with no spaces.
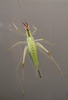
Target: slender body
{"x":31,"y":47}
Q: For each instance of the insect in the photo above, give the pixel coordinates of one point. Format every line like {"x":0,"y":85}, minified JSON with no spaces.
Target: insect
{"x":32,"y":48}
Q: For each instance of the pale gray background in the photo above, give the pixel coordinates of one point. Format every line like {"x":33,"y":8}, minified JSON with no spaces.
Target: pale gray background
{"x":51,"y":20}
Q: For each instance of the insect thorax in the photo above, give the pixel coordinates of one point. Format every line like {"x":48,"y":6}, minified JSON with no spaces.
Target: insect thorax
{"x":28,"y":32}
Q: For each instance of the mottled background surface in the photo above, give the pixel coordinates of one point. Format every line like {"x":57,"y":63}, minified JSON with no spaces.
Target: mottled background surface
{"x":51,"y":20}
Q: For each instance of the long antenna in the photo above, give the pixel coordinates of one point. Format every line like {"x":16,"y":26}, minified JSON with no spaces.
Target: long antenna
{"x":21,"y":11}
{"x":11,"y":15}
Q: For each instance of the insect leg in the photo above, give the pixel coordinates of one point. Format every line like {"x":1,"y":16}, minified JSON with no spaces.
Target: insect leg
{"x":24,"y":54}
{"x":16,"y":27}
{"x":41,"y":46}
{"x":34,"y":28}
{"x":17,"y":44}
{"x":45,"y":41}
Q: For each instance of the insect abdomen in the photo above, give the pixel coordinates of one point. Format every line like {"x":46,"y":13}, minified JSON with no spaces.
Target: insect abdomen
{"x":32,"y":48}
